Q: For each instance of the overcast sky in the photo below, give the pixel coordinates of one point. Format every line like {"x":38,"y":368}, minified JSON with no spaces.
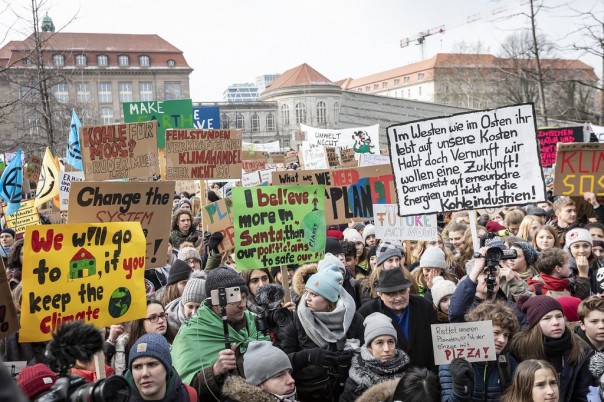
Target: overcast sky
{"x":233,"y":41}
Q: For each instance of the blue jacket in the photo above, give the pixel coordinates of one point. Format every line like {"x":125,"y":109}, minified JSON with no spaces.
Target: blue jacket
{"x":483,"y":391}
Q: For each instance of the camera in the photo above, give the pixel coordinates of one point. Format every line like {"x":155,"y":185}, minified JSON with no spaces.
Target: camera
{"x":75,"y":389}
{"x":273,"y":318}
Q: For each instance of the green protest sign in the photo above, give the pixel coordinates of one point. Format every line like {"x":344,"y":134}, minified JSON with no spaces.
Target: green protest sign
{"x":176,"y":113}
{"x":278,"y":225}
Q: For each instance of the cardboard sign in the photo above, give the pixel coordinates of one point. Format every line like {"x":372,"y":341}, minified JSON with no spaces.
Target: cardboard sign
{"x":9,"y":321}
{"x":549,"y":137}
{"x":257,"y":178}
{"x":372,"y":160}
{"x":313,"y":156}
{"x":218,"y":217}
{"x":579,"y":169}
{"x":34,"y":166}
{"x":177,"y":113}
{"x":390,"y":226}
{"x":203,"y":154}
{"x":472,"y":341}
{"x":349,"y":193}
{"x":266,"y":147}
{"x":26,"y":215}
{"x":251,"y":166}
{"x":278,"y":225}
{"x":65,"y":186}
{"x":147,"y":203}
{"x":89,"y":272}
{"x":120,"y":151}
{"x":363,"y":140}
{"x":190,"y":186}
{"x":466,"y":161}
{"x":333,"y":159}
{"x":347,"y":156}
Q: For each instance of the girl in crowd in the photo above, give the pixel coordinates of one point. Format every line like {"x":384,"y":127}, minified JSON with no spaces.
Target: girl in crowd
{"x":529,"y":227}
{"x":442,"y":290}
{"x":534,"y":381}
{"x":438,"y":242}
{"x":546,"y":237}
{"x":579,"y":244}
{"x":177,"y":280}
{"x":431,"y":265}
{"x":190,"y":255}
{"x":254,"y":279}
{"x":182,"y":227}
{"x":182,"y":308}
{"x":548,"y":338}
{"x":155,"y":322}
{"x":455,"y":233}
{"x":514,"y":277}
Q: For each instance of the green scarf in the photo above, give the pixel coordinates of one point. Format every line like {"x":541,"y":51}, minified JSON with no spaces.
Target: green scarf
{"x":201,"y":338}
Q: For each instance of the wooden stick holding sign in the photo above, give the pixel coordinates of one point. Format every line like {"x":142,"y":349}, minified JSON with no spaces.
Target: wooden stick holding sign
{"x":285,"y":283}
{"x":99,"y":365}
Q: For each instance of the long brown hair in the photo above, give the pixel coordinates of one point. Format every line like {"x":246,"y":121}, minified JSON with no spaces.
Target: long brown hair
{"x":521,"y":389}
{"x":136,"y":329}
{"x":169,"y":294}
{"x":529,"y":344}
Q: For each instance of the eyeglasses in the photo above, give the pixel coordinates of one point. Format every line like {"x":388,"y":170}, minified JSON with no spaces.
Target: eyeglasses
{"x":256,"y":280}
{"x":192,"y":261}
{"x":156,"y":317}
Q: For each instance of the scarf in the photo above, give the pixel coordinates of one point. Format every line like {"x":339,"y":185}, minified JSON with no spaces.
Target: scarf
{"x":366,"y":370}
{"x":291,"y":397}
{"x":176,"y":313}
{"x":4,"y":251}
{"x":324,"y":328}
{"x":204,"y":334}
{"x":555,"y":284}
{"x":557,"y":347}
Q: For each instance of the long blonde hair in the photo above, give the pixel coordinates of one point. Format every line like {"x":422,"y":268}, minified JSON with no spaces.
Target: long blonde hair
{"x":521,"y":389}
{"x":524,"y":230}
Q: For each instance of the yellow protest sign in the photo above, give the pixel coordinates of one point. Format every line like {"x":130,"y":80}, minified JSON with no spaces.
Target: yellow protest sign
{"x":26,"y":215}
{"x":89,"y":272}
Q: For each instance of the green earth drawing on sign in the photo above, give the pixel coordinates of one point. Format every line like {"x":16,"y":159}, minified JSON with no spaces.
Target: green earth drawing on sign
{"x":314,"y":230}
{"x":119,"y":302}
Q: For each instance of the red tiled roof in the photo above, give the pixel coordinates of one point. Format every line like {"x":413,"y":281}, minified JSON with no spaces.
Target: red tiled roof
{"x":301,"y":75}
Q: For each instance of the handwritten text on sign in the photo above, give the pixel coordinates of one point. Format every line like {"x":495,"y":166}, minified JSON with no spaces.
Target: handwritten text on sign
{"x":390,"y":226}
{"x":472,"y":341}
{"x":90,"y":272}
{"x":579,"y":169}
{"x":470,"y":160}
{"x":548,"y":138}
{"x":218,"y":217}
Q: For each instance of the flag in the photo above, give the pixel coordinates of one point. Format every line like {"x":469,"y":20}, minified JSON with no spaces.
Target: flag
{"x":11,"y":184}
{"x":48,"y":185}
{"x":74,"y":152}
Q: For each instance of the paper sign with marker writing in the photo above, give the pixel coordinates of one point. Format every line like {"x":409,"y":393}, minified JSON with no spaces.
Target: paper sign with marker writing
{"x":218,"y":217}
{"x":467,"y":161}
{"x":89,"y":272}
{"x":26,"y":215}
{"x":390,"y":226}
{"x":549,"y":137}
{"x":66,"y":179}
{"x":579,"y":169}
{"x":472,"y":341}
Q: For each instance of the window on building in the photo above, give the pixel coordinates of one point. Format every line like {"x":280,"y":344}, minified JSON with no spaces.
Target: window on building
{"x":125,"y":91}
{"x":143,"y":61}
{"x":82,"y":90}
{"x":171,"y":63}
{"x":359,"y":89}
{"x":61,"y":93}
{"x":300,"y":112}
{"x":80,"y":60}
{"x":367,"y":88}
{"x":285,"y":114}
{"x":239,"y":121}
{"x":376,"y":87}
{"x":225,"y":122}
{"x":255,"y":120}
{"x":145,"y":91}
{"x":270,"y":122}
{"x":172,"y":90}
{"x":321,"y":112}
{"x":405,"y":80}
{"x":123,"y":60}
{"x":420,"y":76}
{"x":286,"y":143}
{"x":384,"y":84}
{"x":397,"y":81}
{"x":27,"y":61}
{"x":336,"y":112}
{"x":105,"y":93}
{"x":106,"y":115}
{"x":102,"y":60}
{"x":33,"y":126}
{"x":58,"y":60}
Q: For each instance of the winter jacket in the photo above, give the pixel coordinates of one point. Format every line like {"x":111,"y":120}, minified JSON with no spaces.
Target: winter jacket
{"x":179,"y":237}
{"x":547,"y":285}
{"x":488,"y":386}
{"x":119,"y":362}
{"x":382,"y":392}
{"x":517,"y":286}
{"x":576,"y":379}
{"x":235,"y":389}
{"x":176,"y":391}
{"x":421,"y":315}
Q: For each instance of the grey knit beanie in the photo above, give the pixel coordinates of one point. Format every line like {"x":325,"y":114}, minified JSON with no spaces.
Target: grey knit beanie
{"x":224,"y":277}
{"x":433,"y":257}
{"x":387,"y":249}
{"x":180,"y":271}
{"x":263,"y":361}
{"x":195,"y":290}
{"x":151,"y":345}
{"x":378,"y":324}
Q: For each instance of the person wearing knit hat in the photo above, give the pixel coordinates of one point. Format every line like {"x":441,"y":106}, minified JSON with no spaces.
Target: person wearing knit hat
{"x":579,"y":244}
{"x":177,"y":280}
{"x":333,"y":246}
{"x":181,"y":309}
{"x":325,"y":283}
{"x":494,"y":227}
{"x":7,"y":238}
{"x":359,"y":227}
{"x":388,"y":254}
{"x":523,"y":267}
{"x":36,"y":381}
{"x":334,"y":232}
{"x":377,"y":325}
{"x":598,"y":251}
{"x":191,"y":256}
{"x":596,"y":367}
{"x":570,"y":307}
{"x":441,"y":291}
{"x":185,"y":203}
{"x":352,"y":235}
{"x":208,"y":367}
{"x":151,"y":375}
{"x":548,"y":338}
{"x":432,"y":264}
{"x":369,"y":235}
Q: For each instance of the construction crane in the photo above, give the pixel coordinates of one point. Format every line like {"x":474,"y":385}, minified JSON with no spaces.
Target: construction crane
{"x":421,"y":38}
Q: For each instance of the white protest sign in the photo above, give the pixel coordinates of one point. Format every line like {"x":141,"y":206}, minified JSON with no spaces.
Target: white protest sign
{"x":313,"y":156}
{"x":472,"y":341}
{"x":364,"y":140}
{"x":373,"y":160}
{"x":257,"y":178}
{"x":466,"y":161}
{"x":66,"y":179}
{"x":598,"y":131}
{"x":390,"y":226}
{"x":267,"y":147}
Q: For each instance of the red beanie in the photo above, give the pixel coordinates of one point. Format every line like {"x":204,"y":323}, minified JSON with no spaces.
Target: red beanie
{"x":570,"y":307}
{"x":536,"y":307}
{"x":34,"y":380}
{"x":494,"y":227}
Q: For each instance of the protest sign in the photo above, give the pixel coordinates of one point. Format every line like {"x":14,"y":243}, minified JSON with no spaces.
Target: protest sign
{"x":472,"y":341}
{"x":189,"y":186}
{"x":253,"y":165}
{"x":257,"y":178}
{"x":34,"y":166}
{"x":579,"y":169}
{"x":9,"y":322}
{"x":177,"y":113}
{"x":465,"y":161}
{"x":390,"y":226}
{"x":89,"y":272}
{"x":372,"y":160}
{"x":55,"y":217}
{"x":313,"y":156}
{"x":278,"y":225}
{"x":120,"y":151}
{"x":347,"y":156}
{"x":218,"y":217}
{"x":363,"y":140}
{"x":203,"y":154}
{"x":549,"y":137}
{"x":266,"y":147}
{"x":349,"y":193}
{"x":26,"y":215}
{"x":147,"y":203}
{"x":66,"y":179}
{"x":332,"y":157}
{"x":598,"y":132}
{"x":206,"y":117}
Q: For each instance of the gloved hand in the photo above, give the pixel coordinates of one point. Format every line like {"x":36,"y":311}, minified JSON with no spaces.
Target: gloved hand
{"x":215,"y":240}
{"x":344,"y":357}
{"x":315,"y":357}
{"x":462,"y":376}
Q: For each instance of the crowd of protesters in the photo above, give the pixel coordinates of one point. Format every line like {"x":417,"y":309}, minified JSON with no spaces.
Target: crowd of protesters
{"x":357,"y":326}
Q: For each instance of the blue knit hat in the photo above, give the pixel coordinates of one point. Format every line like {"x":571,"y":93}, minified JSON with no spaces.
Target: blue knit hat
{"x":151,"y":345}
{"x":326,"y":283}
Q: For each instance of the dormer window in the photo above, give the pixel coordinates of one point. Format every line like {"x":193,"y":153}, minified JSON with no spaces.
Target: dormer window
{"x":58,"y":60}
{"x":123,"y":60}
{"x":80,"y":60}
{"x":102,"y":60}
{"x":143,"y":61}
{"x":171,"y":63}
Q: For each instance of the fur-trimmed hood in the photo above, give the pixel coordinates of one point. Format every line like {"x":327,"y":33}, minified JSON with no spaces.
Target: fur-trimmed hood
{"x":382,"y":392}
{"x":300,"y":276}
{"x":235,"y":388}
